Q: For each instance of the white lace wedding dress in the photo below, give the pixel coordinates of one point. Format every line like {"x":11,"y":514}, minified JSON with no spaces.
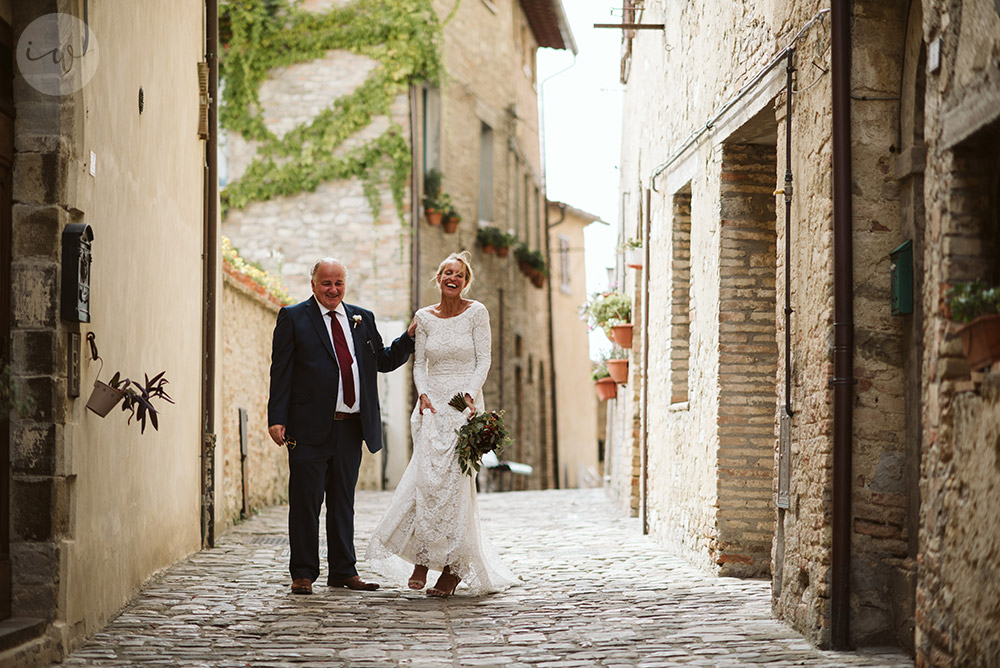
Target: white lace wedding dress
{"x":432,"y":518}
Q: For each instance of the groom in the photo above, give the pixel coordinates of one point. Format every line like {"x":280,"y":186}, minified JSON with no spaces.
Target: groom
{"x":323,"y":402}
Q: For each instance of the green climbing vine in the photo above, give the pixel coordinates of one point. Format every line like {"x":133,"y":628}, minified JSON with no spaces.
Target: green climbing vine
{"x":403,"y":36}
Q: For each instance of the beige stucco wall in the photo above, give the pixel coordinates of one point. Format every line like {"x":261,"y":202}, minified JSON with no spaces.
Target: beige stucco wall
{"x":576,"y":400}
{"x":130,"y":505}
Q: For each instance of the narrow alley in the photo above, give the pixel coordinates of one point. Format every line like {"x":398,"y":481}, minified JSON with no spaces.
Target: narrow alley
{"x":596,"y":593}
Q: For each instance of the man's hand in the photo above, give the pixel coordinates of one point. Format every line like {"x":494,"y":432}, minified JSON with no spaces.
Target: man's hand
{"x":277,"y":433}
{"x":425,"y":403}
{"x":411,"y":331}
{"x":472,"y":404}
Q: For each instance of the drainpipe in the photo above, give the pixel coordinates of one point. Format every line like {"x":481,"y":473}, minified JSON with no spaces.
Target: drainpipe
{"x":843,"y":324}
{"x":644,"y":411}
{"x":552,"y":346}
{"x":210,"y":244}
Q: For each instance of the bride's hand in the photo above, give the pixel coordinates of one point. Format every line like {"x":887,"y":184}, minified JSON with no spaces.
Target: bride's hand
{"x":472,"y":404}
{"x":426,"y":403}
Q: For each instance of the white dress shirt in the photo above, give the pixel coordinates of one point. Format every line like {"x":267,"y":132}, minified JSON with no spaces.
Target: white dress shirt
{"x":341,"y":315}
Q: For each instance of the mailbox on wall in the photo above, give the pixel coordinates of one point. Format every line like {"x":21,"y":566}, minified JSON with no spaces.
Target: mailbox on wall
{"x":901,"y":278}
{"x":76,"y":261}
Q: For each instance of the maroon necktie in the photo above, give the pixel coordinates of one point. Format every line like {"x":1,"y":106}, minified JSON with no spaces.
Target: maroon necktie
{"x":344,"y":359}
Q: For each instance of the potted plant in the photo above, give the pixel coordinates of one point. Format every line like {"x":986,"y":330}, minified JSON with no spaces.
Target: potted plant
{"x":490,"y":238}
{"x":618,"y":366}
{"x":978,"y":306}
{"x":504,"y":243}
{"x":137,"y":398}
{"x":538,"y":270}
{"x":450,"y":218}
{"x":632,"y":250}
{"x":433,"y":204}
{"x":607,"y":310}
{"x":606,"y":387}
{"x":522,"y":254}
{"x":621,"y":333}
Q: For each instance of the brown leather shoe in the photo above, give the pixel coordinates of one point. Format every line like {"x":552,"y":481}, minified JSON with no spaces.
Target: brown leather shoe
{"x":354,"y":582}
{"x":302,"y":586}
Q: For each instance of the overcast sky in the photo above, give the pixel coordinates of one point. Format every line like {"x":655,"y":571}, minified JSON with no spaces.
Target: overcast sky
{"x":581,"y":125}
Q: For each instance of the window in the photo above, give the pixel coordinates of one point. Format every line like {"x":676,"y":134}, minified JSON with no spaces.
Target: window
{"x":564,"y":275}
{"x":432,"y":128}
{"x":485,"y":173}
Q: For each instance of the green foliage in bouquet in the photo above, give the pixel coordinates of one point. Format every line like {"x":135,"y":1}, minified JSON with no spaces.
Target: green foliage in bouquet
{"x":483,"y":432}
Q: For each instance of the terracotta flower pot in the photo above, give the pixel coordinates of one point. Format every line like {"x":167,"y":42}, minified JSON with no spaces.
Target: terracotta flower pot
{"x":103,"y":398}
{"x":488,"y":249}
{"x":622,"y":335}
{"x":606,"y":389}
{"x":618,"y":370}
{"x":450,"y":225}
{"x":433,"y":216}
{"x":502,"y":251}
{"x":981,"y":341}
{"x":538,"y":279}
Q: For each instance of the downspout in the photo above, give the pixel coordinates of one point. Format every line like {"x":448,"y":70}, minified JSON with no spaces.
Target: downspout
{"x":644,"y":456}
{"x":416,"y":184}
{"x":210,"y":246}
{"x":843,"y":324}
{"x":787,"y":191}
{"x":552,"y":348}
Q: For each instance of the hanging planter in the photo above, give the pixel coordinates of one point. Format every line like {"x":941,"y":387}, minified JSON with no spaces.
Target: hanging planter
{"x":103,"y":398}
{"x":622,"y":334}
{"x":633,"y":258}
{"x":981,"y":341}
{"x":618,"y":370}
{"x":433,"y":216}
{"x":606,"y":388}
{"x":450,"y":224}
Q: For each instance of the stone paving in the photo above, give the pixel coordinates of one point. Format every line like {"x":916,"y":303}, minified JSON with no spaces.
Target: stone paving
{"x":596,"y":593}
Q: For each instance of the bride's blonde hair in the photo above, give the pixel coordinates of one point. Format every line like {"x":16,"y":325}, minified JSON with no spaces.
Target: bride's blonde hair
{"x":466,"y":259}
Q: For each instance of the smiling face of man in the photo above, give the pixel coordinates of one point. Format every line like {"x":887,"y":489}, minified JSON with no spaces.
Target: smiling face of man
{"x":329,"y":284}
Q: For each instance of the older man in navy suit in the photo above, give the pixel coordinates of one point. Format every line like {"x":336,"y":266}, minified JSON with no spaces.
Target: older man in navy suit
{"x":323,"y":402}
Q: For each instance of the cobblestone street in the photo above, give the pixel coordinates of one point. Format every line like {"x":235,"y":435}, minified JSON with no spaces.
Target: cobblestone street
{"x":596,"y":593}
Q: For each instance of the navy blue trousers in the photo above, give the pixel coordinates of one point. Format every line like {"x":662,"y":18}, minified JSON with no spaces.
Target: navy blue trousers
{"x":314,"y":471}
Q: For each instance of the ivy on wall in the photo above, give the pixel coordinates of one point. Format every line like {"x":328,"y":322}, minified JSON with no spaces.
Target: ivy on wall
{"x":403,"y":36}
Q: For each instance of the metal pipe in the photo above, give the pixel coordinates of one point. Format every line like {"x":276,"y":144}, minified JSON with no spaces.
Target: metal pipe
{"x":843,"y":324}
{"x":210,"y":267}
{"x":554,"y":427}
{"x":644,"y":453}
{"x":789,"y":70}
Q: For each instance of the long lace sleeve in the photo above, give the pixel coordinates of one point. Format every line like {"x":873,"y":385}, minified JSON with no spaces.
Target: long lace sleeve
{"x":482,"y":339}
{"x":419,"y":358}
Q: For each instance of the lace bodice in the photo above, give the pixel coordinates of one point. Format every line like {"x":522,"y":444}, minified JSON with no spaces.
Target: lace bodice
{"x":452,"y":355}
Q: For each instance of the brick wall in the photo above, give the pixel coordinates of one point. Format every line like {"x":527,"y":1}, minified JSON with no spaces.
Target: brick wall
{"x":747,"y":361}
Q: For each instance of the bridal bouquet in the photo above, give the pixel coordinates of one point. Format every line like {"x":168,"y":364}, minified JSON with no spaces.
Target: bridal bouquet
{"x":483,"y":432}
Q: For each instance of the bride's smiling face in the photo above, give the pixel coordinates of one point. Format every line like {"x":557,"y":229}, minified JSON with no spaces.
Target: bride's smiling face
{"x":452,"y":279}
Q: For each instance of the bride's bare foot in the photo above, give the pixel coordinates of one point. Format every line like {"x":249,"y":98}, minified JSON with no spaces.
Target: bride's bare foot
{"x":445,"y":586}
{"x":418,"y":578}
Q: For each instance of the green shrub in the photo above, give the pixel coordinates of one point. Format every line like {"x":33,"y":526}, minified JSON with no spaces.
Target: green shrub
{"x":968,"y":301}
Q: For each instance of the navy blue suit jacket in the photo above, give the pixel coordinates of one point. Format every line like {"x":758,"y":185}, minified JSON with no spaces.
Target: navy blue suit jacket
{"x":305,"y":375}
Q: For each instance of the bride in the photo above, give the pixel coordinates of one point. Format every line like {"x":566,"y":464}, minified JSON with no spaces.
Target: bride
{"x":432,"y":520}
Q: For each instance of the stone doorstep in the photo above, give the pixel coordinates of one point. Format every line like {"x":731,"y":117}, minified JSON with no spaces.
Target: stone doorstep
{"x":19,"y":630}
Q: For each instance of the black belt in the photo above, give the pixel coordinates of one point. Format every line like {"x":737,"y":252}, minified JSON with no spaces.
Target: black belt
{"x":337,"y":415}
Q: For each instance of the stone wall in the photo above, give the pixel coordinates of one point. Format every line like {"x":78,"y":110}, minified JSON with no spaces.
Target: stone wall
{"x":248,"y":316}
{"x":957,"y":591}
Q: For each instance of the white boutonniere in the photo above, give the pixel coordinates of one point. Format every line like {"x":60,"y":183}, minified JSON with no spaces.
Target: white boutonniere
{"x":356,"y":319}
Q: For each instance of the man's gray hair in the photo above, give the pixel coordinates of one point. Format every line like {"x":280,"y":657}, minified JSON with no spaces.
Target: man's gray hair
{"x":326,"y":260}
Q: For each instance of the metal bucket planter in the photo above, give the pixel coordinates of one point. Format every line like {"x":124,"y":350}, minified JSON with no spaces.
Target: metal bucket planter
{"x":618,"y":370}
{"x":606,"y":389}
{"x":103,"y":398}
{"x":981,"y":341}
